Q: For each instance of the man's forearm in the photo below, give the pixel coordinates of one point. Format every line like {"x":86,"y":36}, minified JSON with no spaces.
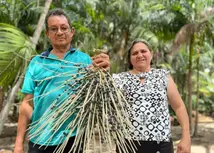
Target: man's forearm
{"x":24,"y":119}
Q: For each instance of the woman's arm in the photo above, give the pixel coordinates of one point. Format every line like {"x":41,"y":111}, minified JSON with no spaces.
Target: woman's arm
{"x":178,"y":106}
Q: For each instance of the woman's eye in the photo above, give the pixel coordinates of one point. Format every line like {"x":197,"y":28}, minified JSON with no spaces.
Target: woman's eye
{"x":135,"y":53}
{"x":144,"y":51}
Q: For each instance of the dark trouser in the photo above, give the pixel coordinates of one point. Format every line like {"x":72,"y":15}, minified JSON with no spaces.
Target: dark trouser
{"x":34,"y":148}
{"x":152,"y":147}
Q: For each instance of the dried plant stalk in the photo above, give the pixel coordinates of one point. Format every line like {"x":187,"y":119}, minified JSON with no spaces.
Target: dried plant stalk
{"x":99,"y":109}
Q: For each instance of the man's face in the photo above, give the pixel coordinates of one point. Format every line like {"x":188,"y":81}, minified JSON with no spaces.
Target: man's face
{"x":59,"y":32}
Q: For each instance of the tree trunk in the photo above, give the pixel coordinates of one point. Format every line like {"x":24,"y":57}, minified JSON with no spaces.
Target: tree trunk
{"x":38,"y":3}
{"x":11,"y":98}
{"x":195,"y":134}
{"x":123,"y":63}
{"x":1,"y":98}
{"x":40,"y":24}
{"x":190,"y":81}
{"x":12,"y":8}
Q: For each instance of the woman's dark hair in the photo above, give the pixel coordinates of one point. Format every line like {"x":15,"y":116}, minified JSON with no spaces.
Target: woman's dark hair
{"x":56,"y":12}
{"x":130,"y":66}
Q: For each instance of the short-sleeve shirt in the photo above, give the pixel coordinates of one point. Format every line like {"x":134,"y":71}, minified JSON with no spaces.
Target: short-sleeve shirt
{"x":45,"y":78}
{"x":148,"y":101}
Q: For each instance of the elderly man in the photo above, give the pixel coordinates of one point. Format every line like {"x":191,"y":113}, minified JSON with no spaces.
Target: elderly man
{"x":44,"y":75}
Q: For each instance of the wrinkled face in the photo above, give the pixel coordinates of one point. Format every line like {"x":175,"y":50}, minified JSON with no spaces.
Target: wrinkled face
{"x":140,"y":56}
{"x":59,"y":32}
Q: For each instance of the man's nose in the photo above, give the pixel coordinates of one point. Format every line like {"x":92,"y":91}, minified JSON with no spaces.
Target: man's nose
{"x":59,"y":31}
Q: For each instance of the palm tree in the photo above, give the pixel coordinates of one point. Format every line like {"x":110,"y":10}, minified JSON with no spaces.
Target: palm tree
{"x":97,"y":26}
{"x":16,"y":51}
{"x":187,"y":19}
{"x":188,"y":35}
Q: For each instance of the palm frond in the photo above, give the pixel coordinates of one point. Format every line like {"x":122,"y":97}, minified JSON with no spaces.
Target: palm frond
{"x":14,"y":52}
{"x":183,"y":36}
{"x":140,"y":32}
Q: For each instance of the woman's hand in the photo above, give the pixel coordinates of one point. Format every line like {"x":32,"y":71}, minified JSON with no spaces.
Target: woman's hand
{"x":184,"y":146}
{"x":101,"y":60}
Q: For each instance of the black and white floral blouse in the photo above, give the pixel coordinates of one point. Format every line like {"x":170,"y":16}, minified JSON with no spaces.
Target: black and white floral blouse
{"x":148,"y":101}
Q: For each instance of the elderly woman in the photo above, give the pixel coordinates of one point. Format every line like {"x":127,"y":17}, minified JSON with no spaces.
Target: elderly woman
{"x":149,"y":91}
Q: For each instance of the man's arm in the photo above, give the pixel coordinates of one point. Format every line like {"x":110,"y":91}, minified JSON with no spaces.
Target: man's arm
{"x":26,"y":110}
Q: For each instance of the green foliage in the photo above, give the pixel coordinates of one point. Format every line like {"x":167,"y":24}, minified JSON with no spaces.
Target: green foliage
{"x":20,"y":96}
{"x":113,"y":24}
{"x":15,"y":52}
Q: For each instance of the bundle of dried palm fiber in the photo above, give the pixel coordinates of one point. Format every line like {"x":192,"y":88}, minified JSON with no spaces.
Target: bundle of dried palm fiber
{"x":97,"y":108}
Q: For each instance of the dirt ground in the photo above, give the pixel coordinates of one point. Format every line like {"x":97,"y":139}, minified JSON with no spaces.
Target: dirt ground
{"x":204,"y":143}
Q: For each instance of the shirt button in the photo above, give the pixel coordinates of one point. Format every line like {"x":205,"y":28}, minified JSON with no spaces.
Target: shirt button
{"x":158,"y":152}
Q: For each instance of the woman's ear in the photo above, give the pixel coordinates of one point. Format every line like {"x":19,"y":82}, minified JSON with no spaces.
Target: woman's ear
{"x":151,"y":55}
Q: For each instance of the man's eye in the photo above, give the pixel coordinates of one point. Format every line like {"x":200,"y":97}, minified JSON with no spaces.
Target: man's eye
{"x":64,"y":28}
{"x":53,"y":29}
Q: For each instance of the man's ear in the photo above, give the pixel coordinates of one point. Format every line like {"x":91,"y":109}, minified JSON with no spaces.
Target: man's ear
{"x":47,"y":34}
{"x":72,"y":31}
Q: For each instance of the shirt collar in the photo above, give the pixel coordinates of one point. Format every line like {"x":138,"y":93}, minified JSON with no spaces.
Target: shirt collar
{"x":47,"y":52}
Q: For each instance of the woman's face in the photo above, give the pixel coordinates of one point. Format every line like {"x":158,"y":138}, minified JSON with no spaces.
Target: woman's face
{"x":140,"y":57}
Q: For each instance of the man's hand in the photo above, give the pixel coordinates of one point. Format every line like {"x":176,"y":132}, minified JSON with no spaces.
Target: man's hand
{"x":101,"y":60}
{"x":18,"y":149}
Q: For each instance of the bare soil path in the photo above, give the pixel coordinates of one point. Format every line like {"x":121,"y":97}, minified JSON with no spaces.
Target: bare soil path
{"x":204,"y":143}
